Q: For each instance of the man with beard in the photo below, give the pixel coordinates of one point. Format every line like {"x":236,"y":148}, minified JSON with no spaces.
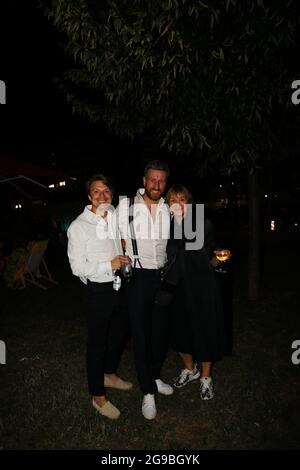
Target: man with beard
{"x":149,"y":321}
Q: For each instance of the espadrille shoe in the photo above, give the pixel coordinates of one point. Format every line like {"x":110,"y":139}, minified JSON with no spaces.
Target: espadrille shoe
{"x":120,"y":384}
{"x":108,"y":410}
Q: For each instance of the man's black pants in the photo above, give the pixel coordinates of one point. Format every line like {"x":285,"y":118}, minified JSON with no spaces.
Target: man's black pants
{"x":149,"y":327}
{"x":107,"y":331}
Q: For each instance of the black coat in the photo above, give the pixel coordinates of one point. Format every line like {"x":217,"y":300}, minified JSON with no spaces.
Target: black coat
{"x":197,"y":314}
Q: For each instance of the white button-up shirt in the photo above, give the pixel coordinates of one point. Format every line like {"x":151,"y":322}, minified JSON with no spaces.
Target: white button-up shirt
{"x":151,"y":230}
{"x":92,"y":243}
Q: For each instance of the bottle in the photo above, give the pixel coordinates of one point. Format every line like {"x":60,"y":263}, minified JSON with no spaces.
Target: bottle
{"x":117,"y":281}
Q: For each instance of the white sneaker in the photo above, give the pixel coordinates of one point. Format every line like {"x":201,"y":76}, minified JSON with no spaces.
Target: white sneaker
{"x":148,"y":406}
{"x":206,"y":388}
{"x":163,"y":388}
{"x":186,"y":376}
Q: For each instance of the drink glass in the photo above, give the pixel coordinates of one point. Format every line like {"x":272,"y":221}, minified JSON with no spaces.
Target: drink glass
{"x":221,"y":255}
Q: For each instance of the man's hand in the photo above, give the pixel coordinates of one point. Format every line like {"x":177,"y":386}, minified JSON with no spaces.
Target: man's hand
{"x":118,"y":261}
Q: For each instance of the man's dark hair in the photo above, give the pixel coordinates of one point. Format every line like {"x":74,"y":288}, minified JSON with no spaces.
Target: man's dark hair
{"x":157,"y":165}
{"x":99,"y":177}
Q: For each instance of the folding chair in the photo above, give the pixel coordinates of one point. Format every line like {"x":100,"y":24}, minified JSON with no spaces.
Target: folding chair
{"x":35,"y":263}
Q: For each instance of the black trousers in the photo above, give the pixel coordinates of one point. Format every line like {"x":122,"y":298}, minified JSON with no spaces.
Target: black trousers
{"x":149,"y":327}
{"x":107,"y":331}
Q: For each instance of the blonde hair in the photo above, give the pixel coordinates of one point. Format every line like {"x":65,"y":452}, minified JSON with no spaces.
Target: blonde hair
{"x":179,"y":189}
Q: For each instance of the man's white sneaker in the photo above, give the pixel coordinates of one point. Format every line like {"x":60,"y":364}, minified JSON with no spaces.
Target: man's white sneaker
{"x":186,"y":376}
{"x":148,"y":406}
{"x":163,"y":388}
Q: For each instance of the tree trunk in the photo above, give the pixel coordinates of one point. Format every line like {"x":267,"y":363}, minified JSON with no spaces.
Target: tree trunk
{"x":254,"y":236}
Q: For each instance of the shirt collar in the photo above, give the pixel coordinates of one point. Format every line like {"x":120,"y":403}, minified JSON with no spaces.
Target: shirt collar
{"x":94,"y":218}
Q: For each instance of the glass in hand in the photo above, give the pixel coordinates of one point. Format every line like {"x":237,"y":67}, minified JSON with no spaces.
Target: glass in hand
{"x":221,"y":255}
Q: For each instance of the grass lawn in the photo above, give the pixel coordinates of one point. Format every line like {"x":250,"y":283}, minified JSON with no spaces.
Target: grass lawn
{"x":44,"y":400}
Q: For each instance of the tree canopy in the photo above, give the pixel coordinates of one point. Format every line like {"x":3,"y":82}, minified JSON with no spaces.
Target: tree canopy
{"x":204,"y":76}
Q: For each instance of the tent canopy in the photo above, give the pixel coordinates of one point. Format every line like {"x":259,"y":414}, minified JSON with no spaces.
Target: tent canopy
{"x":21,"y":178}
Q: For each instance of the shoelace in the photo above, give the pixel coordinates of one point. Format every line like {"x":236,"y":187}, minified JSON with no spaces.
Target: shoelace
{"x":206,"y":388}
{"x":206,"y":392}
{"x":148,"y":401}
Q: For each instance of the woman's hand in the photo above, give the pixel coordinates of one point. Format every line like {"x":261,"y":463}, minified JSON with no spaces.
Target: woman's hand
{"x":214,"y":262}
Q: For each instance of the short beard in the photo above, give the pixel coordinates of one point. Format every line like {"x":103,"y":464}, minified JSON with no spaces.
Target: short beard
{"x":150,"y":197}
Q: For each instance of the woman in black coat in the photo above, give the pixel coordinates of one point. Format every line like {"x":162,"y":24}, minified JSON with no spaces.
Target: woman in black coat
{"x":197,"y":331}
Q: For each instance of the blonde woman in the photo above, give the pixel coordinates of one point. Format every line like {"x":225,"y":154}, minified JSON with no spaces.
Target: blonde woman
{"x":197,"y":331}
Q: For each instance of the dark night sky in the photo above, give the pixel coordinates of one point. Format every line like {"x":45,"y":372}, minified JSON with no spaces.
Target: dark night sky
{"x":31,"y":60}
{"x":36,"y":123}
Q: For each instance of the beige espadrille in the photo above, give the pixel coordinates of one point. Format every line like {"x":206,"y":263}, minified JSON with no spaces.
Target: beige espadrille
{"x":120,"y":384}
{"x":108,"y":410}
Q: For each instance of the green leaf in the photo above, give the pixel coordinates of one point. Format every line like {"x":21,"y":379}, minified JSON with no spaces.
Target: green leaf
{"x":203,"y":4}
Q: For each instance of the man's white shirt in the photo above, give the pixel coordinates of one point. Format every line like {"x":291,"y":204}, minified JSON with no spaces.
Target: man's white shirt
{"x":92,"y":243}
{"x":151,"y":232}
